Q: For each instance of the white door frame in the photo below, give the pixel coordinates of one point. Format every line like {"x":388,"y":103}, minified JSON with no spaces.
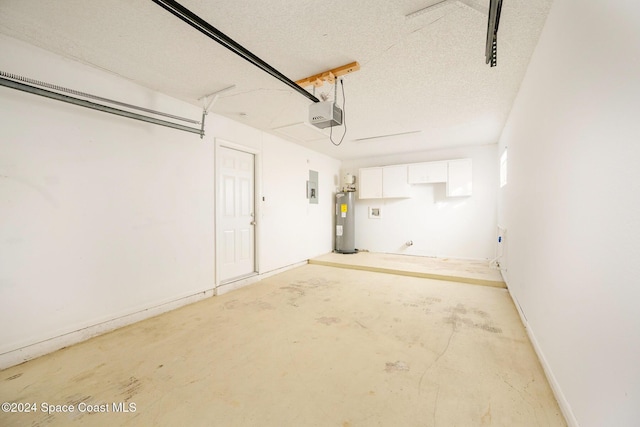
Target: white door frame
{"x":257,"y":190}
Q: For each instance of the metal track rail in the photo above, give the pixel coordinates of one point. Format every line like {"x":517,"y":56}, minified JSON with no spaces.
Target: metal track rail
{"x":90,"y":96}
{"x":94,"y":106}
{"x":213,"y":33}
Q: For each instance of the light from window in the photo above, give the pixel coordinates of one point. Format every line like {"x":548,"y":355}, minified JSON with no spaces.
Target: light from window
{"x":503,"y":168}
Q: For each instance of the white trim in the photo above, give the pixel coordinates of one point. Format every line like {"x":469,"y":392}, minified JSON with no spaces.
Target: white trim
{"x":565,"y":407}
{"x":23,"y":354}
{"x":221,"y":142}
{"x":28,"y":352}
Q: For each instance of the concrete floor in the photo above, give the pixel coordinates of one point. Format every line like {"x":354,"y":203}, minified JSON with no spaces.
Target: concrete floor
{"x":313,"y":346}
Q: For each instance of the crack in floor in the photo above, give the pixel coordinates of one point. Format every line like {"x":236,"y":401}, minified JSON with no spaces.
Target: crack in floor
{"x":453,"y":330}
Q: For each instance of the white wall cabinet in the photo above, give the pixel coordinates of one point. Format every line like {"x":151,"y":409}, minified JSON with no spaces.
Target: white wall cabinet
{"x":383,"y":182}
{"x":394,"y":182}
{"x":459,"y":178}
{"x":427,"y":173}
{"x":370,"y":183}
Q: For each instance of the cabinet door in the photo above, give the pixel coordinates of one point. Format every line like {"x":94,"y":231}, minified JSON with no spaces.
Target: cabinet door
{"x":394,"y":181}
{"x":460,"y":179}
{"x":427,"y":173}
{"x":370,"y":186}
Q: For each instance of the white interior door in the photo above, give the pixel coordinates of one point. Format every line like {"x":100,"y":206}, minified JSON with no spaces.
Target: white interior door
{"x":236,"y":215}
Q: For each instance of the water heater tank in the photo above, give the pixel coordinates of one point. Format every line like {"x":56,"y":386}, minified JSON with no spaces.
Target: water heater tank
{"x":345,"y":223}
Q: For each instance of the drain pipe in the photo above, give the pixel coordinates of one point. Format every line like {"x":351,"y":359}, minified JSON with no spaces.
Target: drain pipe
{"x":213,"y":33}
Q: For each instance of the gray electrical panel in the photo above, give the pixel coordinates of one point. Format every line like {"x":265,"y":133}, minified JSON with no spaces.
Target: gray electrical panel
{"x":345,"y":223}
{"x":312,"y":187}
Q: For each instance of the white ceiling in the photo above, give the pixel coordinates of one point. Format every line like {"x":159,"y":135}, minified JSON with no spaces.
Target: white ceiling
{"x":424,"y":77}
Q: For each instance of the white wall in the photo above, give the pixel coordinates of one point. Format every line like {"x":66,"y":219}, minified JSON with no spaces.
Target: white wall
{"x":104,"y":218}
{"x":100,"y":216}
{"x":572,"y":207}
{"x":291,"y":228}
{"x":440,"y":226}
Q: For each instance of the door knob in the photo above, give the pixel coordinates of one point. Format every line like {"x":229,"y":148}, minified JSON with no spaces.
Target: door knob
{"x":252,"y":223}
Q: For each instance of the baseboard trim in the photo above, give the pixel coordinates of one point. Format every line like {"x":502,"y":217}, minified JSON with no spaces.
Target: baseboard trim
{"x":553,"y":382}
{"x":32,"y":351}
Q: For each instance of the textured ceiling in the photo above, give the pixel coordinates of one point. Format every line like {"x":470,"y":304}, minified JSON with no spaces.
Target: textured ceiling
{"x":424,"y":76}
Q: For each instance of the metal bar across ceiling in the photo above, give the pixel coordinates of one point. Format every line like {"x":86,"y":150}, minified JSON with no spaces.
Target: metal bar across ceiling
{"x":495,"y":7}
{"x":213,"y":33}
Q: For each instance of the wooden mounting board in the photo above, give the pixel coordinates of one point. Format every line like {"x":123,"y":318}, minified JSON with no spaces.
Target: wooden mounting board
{"x":329,"y":76}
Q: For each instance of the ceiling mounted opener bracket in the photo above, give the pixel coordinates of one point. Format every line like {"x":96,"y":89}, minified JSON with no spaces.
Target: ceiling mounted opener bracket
{"x":330,"y":76}
{"x":207,"y":103}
